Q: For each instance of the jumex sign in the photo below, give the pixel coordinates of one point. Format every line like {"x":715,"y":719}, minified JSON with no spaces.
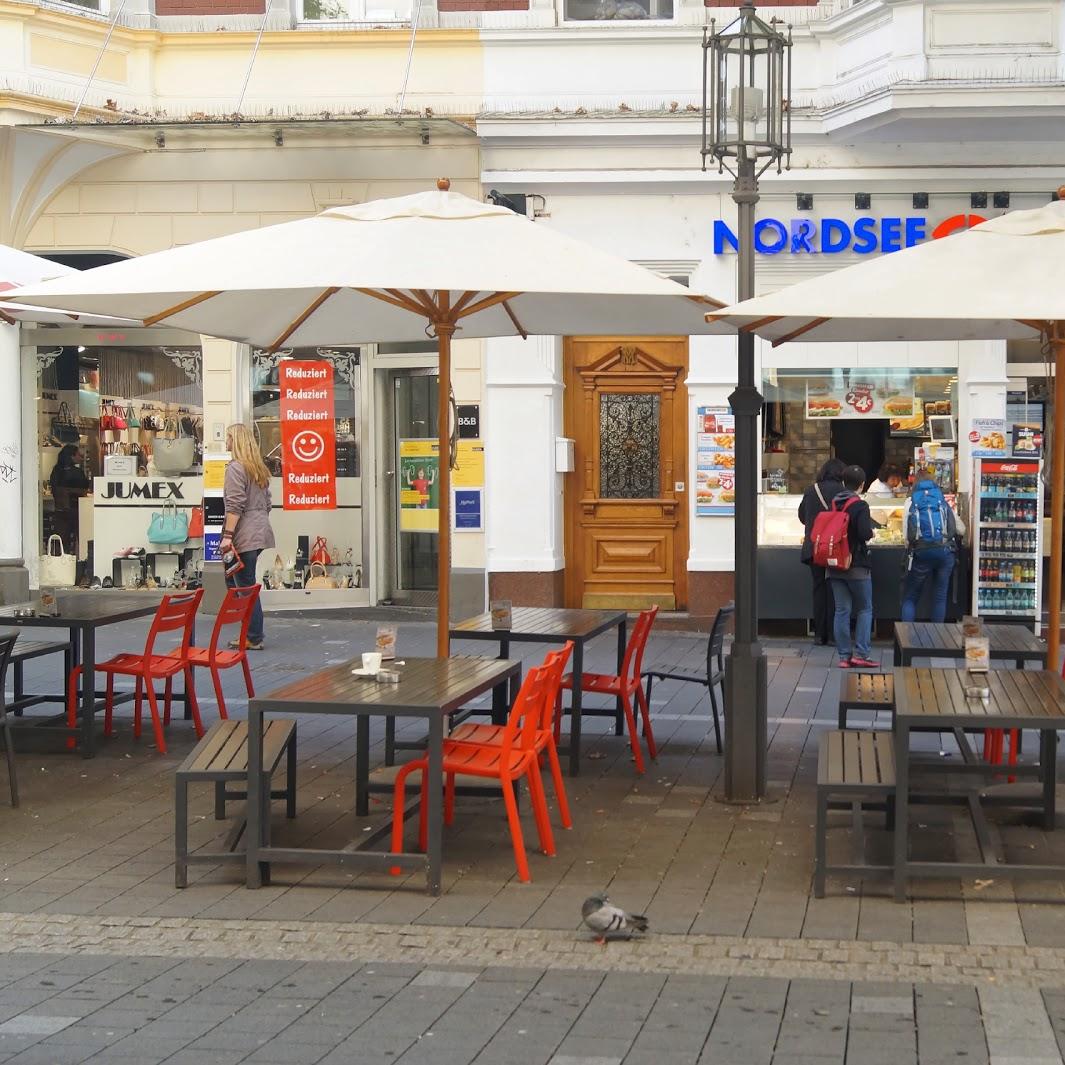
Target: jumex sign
{"x":830,"y":236}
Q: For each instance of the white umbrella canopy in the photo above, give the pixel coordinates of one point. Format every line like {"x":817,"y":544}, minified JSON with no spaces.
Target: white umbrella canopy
{"x":435,"y":263}
{"x":1002,"y":280}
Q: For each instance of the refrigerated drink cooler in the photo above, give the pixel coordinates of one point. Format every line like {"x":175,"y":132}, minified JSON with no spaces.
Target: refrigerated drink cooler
{"x":1006,"y":532}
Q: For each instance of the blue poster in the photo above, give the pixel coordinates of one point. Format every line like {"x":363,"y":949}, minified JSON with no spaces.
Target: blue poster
{"x":468,"y":511}
{"x":211,"y":539}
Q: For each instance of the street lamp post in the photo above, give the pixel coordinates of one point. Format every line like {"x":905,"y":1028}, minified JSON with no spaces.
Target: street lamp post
{"x":746,"y":130}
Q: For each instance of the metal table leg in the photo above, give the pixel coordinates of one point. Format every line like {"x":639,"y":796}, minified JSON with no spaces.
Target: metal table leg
{"x":575,"y":709}
{"x":499,"y":692}
{"x":254,"y":830}
{"x":1048,"y":763}
{"x":435,"y":808}
{"x":362,"y":765}
{"x":88,"y":692}
{"x":902,"y":807}
{"x":619,"y":709}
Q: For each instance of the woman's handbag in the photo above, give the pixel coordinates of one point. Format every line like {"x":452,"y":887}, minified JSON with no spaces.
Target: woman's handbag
{"x":319,"y":578}
{"x":320,"y":552}
{"x":168,"y":526}
{"x":58,"y":569}
{"x":174,"y":455}
{"x":118,"y":419}
{"x":196,"y":523}
{"x":64,"y":428}
{"x":132,"y":421}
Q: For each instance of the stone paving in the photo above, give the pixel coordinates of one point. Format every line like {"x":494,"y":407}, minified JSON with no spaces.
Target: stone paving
{"x":102,"y":959}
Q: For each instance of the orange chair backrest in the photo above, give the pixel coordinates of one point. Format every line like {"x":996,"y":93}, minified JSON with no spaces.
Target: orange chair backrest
{"x":176,"y":613}
{"x":555,"y":663}
{"x":632,"y":662}
{"x":524,"y":718}
{"x":236,"y":609}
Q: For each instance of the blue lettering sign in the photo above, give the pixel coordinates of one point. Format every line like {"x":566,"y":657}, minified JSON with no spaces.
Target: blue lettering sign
{"x":805,"y":236}
{"x":835,"y":236}
{"x":890,"y":234}
{"x":777,"y":228}
{"x":722,"y":236}
{"x":916,"y":231}
{"x":864,"y":236}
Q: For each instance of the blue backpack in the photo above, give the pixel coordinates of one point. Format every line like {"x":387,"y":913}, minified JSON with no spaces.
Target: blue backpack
{"x":929,"y":524}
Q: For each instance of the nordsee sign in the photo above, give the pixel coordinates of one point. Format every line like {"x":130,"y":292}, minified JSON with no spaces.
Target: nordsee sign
{"x":830,"y":236}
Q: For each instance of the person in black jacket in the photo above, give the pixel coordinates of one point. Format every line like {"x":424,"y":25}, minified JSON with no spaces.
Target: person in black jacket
{"x":816,"y":499}
{"x":68,"y":483}
{"x":852,"y":588}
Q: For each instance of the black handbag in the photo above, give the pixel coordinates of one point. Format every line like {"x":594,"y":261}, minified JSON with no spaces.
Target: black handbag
{"x":64,"y":428}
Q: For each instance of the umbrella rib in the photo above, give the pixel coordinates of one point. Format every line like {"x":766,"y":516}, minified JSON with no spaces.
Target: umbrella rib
{"x":462,"y":301}
{"x":178,"y":307}
{"x":427,"y":302}
{"x":1043,"y":327}
{"x":517,"y":325}
{"x":752,"y":326}
{"x":404,"y":303}
{"x":319,"y":300}
{"x":707,"y":301}
{"x":488,"y":301}
{"x":7,"y":318}
{"x":796,"y":333}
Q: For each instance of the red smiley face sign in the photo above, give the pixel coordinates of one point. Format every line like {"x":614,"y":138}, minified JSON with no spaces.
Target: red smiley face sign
{"x":308,"y":446}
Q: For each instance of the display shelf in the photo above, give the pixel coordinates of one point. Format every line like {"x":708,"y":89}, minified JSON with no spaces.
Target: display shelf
{"x":1008,"y":524}
{"x":1008,"y":584}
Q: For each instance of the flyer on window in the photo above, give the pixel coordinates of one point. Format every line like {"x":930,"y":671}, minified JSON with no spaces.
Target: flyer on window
{"x":715,"y":463}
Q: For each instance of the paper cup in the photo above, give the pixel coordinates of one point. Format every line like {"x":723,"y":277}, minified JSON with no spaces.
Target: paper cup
{"x":371,"y":661}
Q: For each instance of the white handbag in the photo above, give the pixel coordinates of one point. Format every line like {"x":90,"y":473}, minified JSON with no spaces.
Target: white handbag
{"x":57,"y":570}
{"x":174,"y":455}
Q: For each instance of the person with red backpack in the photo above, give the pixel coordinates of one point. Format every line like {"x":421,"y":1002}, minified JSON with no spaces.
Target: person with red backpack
{"x":816,"y":500}
{"x":841,"y":538}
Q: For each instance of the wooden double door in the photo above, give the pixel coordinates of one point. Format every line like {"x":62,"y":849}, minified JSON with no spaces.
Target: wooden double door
{"x":626,"y":513}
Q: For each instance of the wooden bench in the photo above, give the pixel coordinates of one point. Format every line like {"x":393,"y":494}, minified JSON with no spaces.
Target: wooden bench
{"x":222,"y":758}
{"x":23,"y":651}
{"x":856,"y":770}
{"x":865,"y":691}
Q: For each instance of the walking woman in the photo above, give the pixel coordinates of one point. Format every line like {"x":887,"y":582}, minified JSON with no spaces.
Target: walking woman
{"x":247,"y":523}
{"x":817,"y":498}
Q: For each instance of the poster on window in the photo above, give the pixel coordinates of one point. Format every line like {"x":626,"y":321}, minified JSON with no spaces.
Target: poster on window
{"x":715,"y":463}
{"x":861,"y":399}
{"x":308,"y":435}
{"x":419,"y":492}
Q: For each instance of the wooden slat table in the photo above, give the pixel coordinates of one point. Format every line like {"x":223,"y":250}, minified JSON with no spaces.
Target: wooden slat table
{"x":81,"y":613}
{"x":554,"y":625}
{"x":429,"y":688}
{"x":935,"y":699}
{"x":929,"y":639}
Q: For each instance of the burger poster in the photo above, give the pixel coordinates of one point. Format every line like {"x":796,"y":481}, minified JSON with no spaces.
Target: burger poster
{"x":860,"y":399}
{"x":715,"y":463}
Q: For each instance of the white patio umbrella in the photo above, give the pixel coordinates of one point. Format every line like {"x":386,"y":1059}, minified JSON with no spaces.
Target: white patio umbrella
{"x":1003,"y":279}
{"x":435,"y":263}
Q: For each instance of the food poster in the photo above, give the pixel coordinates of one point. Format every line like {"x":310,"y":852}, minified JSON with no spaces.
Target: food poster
{"x":715,"y":463}
{"x":419,"y":491}
{"x":988,"y":438}
{"x":865,"y":398}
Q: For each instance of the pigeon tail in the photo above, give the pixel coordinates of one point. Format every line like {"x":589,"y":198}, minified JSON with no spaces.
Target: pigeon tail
{"x":638,"y":921}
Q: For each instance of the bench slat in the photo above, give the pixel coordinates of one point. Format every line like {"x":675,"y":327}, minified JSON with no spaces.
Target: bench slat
{"x":224,"y":750}
{"x":203,"y":753}
{"x":850,"y":759}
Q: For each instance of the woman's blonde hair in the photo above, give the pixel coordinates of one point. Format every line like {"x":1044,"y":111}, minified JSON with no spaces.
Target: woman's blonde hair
{"x":245,"y":450}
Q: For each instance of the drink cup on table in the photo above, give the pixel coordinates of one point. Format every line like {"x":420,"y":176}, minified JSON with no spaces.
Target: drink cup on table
{"x":371,"y":661}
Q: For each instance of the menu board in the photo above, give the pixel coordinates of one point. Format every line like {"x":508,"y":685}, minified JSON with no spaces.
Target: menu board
{"x":987,"y":437}
{"x":861,"y":399}
{"x":715,"y":463}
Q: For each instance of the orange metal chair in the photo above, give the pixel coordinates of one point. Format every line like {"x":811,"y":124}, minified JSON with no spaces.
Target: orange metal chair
{"x":515,"y":757}
{"x":176,"y":613}
{"x":492,"y":735}
{"x":235,"y":611}
{"x":626,"y":686}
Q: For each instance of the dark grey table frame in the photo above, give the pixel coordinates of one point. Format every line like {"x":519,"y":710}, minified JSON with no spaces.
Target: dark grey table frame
{"x":555,"y":625}
{"x":929,"y":639}
{"x":431,"y":689}
{"x":81,"y":613}
{"x":935,"y":698}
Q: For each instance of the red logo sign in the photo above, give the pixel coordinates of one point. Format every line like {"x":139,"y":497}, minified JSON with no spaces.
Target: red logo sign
{"x":308,"y":435}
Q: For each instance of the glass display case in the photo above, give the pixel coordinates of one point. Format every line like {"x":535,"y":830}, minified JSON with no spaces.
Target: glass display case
{"x":779,"y":524}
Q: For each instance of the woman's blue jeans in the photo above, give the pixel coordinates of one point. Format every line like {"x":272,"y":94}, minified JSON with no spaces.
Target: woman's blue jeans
{"x":853,"y":597}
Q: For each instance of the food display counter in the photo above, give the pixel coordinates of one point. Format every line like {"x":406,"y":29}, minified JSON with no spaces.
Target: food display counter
{"x":784,"y":591}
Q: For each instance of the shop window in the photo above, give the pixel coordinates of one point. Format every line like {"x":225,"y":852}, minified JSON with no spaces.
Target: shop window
{"x":132,"y":414}
{"x":617,"y":10}
{"x":628,"y":445}
{"x":375,"y":11}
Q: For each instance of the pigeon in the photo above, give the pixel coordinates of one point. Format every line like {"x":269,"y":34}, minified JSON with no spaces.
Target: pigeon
{"x":606,"y":919}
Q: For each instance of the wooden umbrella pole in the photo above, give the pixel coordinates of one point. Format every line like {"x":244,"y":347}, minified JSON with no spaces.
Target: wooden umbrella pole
{"x":445,"y":329}
{"x":1057,"y":497}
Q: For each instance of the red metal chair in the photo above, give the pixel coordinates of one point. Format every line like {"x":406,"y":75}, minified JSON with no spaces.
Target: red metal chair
{"x":176,"y":613}
{"x":492,"y":735}
{"x":624,"y":686}
{"x":235,"y":610}
{"x":515,"y":757}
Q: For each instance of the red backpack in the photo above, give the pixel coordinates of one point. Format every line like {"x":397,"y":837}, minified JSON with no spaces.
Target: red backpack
{"x":832,"y":548}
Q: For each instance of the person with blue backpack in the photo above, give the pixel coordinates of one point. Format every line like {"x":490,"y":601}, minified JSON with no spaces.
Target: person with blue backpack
{"x":932,"y":530}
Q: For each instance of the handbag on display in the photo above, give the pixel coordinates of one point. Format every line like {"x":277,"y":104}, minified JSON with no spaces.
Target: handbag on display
{"x":105,"y":418}
{"x":64,"y":429}
{"x":196,"y":523}
{"x":278,"y":571}
{"x":58,"y":569}
{"x":174,"y":455}
{"x":118,"y":418}
{"x":132,"y":421}
{"x":168,"y":526}
{"x":319,"y":578}
{"x":320,"y":552}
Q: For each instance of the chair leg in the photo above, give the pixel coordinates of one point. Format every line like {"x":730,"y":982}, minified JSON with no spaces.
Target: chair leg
{"x":423,"y":813}
{"x":648,"y":732}
{"x":558,"y":717}
{"x":515,"y":831}
{"x":216,"y":680}
{"x":449,"y":799}
{"x":138,"y":701}
{"x":399,"y":792}
{"x":560,"y":789}
{"x":157,"y":724}
{"x":194,"y":703}
{"x":149,"y":686}
{"x":9,"y":750}
{"x":539,"y":805}
{"x":634,"y":739}
{"x":819,"y":844}
{"x":717,"y":718}
{"x":247,"y":674}
{"x":109,"y":704}
{"x":72,"y":706}
{"x":168,"y":698}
